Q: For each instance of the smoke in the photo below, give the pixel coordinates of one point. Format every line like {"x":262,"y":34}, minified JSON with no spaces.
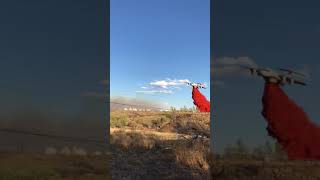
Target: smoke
{"x":95,"y":94}
{"x":79,"y":151}
{"x":85,"y":119}
{"x":65,"y":151}
{"x":156,"y":92}
{"x":121,"y":102}
{"x":50,"y":151}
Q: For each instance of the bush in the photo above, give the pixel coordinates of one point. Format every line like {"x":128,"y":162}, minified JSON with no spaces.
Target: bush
{"x":160,"y":121}
{"x":118,"y":120}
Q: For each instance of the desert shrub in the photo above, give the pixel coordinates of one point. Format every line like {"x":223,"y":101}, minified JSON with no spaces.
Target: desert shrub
{"x":145,"y":121}
{"x":182,"y":123}
{"x":118,"y":120}
{"x":134,"y":125}
{"x":133,"y":141}
{"x":160,"y":121}
{"x":152,"y":121}
{"x":168,"y":115}
{"x":201,"y":117}
{"x":194,"y":156}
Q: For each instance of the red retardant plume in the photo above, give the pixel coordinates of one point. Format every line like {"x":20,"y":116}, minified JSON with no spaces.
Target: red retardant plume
{"x":290,"y":125}
{"x":200,"y":100}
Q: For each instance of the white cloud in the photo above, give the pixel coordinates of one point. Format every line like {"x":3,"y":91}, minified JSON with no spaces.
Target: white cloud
{"x":235,"y":61}
{"x":165,"y":86}
{"x":232,"y":65}
{"x":169,"y":83}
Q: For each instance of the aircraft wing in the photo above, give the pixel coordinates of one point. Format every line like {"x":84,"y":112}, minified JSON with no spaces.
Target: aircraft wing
{"x":299,"y":82}
{"x":292,"y":72}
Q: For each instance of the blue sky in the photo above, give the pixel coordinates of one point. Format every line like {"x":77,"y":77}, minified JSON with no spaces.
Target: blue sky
{"x":155,"y":40}
{"x":270,"y":34}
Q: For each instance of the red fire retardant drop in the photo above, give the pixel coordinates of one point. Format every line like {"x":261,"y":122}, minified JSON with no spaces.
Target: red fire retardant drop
{"x":290,"y":125}
{"x":200,"y":100}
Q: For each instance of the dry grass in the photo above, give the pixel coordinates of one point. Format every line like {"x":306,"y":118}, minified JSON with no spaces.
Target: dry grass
{"x":194,"y":156}
{"x":161,"y":145}
{"x":181,"y":122}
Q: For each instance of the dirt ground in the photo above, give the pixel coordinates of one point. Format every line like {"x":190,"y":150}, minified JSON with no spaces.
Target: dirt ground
{"x":161,"y":146}
{"x":261,"y":170}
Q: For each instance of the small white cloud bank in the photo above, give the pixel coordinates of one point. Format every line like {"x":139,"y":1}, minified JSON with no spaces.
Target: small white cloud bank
{"x":166,"y":86}
{"x":169,"y":83}
{"x":232,"y":66}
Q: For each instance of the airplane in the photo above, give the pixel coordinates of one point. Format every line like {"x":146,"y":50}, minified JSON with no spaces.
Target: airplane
{"x":198,"y":85}
{"x":285,"y":76}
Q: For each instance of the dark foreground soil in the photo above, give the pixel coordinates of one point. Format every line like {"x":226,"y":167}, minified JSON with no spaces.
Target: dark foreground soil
{"x":260,"y":170}
{"x":53,"y":167}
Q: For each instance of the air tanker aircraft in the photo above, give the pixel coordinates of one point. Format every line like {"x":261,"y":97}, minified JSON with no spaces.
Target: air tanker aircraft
{"x":284,"y":76}
{"x":197,"y":85}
